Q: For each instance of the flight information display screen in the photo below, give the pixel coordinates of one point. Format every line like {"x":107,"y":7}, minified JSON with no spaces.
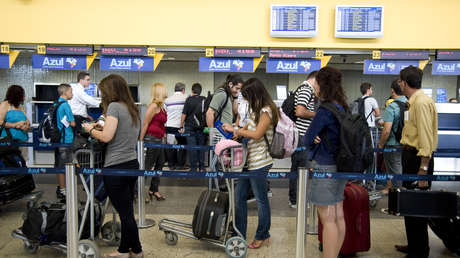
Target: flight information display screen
{"x":358,"y":21}
{"x":297,"y":21}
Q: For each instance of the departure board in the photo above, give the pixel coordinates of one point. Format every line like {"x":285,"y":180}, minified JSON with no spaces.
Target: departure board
{"x":124,"y":51}
{"x":296,"y":21}
{"x":448,"y":55}
{"x":69,"y":50}
{"x":236,"y":52}
{"x":358,"y":21}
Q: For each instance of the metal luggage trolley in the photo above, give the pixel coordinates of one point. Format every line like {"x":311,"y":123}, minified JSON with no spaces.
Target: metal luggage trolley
{"x":371,"y":185}
{"x":234,"y":246}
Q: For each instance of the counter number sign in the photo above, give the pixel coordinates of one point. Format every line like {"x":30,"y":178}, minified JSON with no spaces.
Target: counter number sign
{"x":41,"y":49}
{"x":5,"y":49}
{"x":209,"y":52}
{"x":319,"y":53}
{"x":151,"y":51}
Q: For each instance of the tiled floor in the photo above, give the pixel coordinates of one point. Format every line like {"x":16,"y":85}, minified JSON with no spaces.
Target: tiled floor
{"x":386,"y":230}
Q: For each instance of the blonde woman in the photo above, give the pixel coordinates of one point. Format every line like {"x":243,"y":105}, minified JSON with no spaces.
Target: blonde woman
{"x":153,"y":131}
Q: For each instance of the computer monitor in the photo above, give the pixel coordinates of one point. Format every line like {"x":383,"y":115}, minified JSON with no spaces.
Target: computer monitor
{"x":358,"y":21}
{"x":294,"y":21}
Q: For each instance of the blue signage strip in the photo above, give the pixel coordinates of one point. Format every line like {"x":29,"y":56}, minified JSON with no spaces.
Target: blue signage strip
{"x":59,"y":62}
{"x":387,"y":66}
{"x":441,"y":95}
{"x":4,"y":61}
{"x":122,"y":63}
{"x":275,"y":65}
{"x":448,"y":55}
{"x":446,"y":68}
{"x":405,"y":54}
{"x":233,"y":65}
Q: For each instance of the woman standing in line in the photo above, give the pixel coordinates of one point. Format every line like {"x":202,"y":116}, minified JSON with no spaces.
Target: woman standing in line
{"x":121,"y":131}
{"x":153,"y":131}
{"x":263,"y":117}
{"x":322,"y":138}
{"x":12,"y":115}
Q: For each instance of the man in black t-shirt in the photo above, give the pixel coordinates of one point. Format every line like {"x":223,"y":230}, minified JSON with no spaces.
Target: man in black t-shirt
{"x":192,"y":122}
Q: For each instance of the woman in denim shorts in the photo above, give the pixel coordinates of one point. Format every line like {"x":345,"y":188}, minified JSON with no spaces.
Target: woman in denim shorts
{"x":322,"y":138}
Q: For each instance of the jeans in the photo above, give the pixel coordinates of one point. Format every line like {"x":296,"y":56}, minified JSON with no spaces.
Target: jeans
{"x":197,"y":137}
{"x":393,"y":164}
{"x":416,"y":228}
{"x":298,"y":159}
{"x":154,"y":158}
{"x":62,"y":156}
{"x":121,"y":194}
{"x":259,"y":187}
{"x":176,"y":158}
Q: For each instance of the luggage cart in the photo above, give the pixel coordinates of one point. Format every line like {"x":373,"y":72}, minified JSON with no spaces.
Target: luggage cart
{"x":234,"y":246}
{"x":371,"y":185}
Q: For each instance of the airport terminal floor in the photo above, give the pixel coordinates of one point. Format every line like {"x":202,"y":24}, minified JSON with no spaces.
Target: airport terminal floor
{"x":181,"y":196}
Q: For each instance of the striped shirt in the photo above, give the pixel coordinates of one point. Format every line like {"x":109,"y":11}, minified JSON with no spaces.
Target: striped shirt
{"x":174,"y":107}
{"x":258,"y":156}
{"x":306,"y":98}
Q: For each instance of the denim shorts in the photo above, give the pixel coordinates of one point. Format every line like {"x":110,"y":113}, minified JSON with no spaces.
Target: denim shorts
{"x":326,"y":192}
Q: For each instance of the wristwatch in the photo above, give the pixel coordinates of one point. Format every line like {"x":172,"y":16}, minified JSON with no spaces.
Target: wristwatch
{"x":424,"y":168}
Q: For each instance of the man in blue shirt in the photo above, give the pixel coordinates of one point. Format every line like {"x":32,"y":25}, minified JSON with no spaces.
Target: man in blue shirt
{"x":65,"y":122}
{"x":391,"y":118}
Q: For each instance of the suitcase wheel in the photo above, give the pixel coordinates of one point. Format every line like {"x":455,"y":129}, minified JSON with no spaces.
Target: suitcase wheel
{"x":171,"y":238}
{"x":111,"y":233}
{"x":88,"y":248}
{"x":372,"y":204}
{"x":31,"y":248}
{"x":236,"y":247}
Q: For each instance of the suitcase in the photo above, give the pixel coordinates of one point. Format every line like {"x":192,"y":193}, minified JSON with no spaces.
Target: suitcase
{"x":357,"y":221}
{"x":448,"y":230}
{"x":417,"y":203}
{"x":210,"y":216}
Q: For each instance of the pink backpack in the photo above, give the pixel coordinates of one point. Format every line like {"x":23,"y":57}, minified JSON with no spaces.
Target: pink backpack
{"x":285,"y":138}
{"x":237,"y":153}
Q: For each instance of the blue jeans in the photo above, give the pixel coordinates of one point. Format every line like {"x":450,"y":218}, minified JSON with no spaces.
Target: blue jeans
{"x":259,"y":187}
{"x":196,"y":157}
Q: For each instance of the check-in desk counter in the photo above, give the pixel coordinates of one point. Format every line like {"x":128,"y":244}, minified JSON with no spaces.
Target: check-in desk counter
{"x":448,"y":138}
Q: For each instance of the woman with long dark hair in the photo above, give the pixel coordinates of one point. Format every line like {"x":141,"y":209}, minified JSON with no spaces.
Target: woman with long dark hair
{"x":322,"y":138}
{"x":121,"y":131}
{"x":263,"y":118}
{"x":12,"y":115}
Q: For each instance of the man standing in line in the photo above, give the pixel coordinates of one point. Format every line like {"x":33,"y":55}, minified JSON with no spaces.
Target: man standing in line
{"x":81,"y":100}
{"x":419,"y":140}
{"x":371,"y":107}
{"x":174,"y":107}
{"x":304,"y":102}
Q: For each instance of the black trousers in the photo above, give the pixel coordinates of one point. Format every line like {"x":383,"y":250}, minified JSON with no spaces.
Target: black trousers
{"x":176,"y":158}
{"x":121,"y":194}
{"x":416,"y":227}
{"x":154,"y":158}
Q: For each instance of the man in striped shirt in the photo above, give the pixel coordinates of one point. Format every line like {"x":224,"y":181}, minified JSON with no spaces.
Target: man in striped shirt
{"x":305,"y":111}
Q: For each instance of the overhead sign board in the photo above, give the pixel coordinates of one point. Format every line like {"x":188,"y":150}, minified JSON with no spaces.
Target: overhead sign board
{"x":4,"y":61}
{"x":233,"y":65}
{"x":124,"y":51}
{"x":295,"y":21}
{"x":291,"y":53}
{"x":354,"y":21}
{"x":59,"y":62}
{"x":275,"y":65}
{"x":69,"y":50}
{"x":387,"y":66}
{"x":448,"y":55}
{"x":405,"y":54}
{"x":236,"y":52}
{"x":126,"y":63}
{"x":446,"y":67}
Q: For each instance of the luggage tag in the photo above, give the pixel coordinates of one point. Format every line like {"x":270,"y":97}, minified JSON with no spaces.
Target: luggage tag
{"x":406,"y":115}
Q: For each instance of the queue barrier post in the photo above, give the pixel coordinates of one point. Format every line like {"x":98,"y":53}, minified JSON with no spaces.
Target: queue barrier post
{"x":302,"y":197}
{"x":142,"y":221}
{"x":72,"y":211}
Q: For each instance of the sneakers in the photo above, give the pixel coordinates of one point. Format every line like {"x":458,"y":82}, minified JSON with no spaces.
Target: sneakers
{"x":60,"y":193}
{"x":292,"y":205}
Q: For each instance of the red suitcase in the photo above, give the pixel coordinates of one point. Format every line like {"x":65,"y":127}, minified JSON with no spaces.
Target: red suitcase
{"x":357,"y":221}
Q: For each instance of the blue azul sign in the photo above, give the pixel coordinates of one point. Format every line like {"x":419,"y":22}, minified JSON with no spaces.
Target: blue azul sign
{"x":233,"y":65}
{"x":124,"y":63}
{"x":441,"y":95}
{"x":387,"y":66}
{"x":59,"y":62}
{"x":275,"y":65}
{"x":446,"y":68}
{"x":4,"y":61}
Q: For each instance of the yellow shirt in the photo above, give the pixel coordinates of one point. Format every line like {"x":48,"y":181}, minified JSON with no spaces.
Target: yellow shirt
{"x":421,"y":127}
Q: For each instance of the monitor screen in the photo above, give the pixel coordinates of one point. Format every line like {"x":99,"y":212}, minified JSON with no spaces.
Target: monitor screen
{"x":134,"y":93}
{"x":92,"y":90}
{"x":294,"y":21}
{"x":46,"y":92}
{"x":358,"y":21}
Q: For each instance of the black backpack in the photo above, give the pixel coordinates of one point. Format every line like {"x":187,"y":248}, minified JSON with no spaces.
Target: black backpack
{"x":199,"y":113}
{"x":403,"y":107}
{"x":357,"y":107}
{"x":288,"y":105}
{"x":355,"y":152}
{"x":207,"y":102}
{"x":48,"y":130}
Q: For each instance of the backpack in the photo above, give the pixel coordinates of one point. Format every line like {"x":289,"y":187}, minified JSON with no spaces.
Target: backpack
{"x":357,"y":107}
{"x":403,"y":107}
{"x":48,"y":130}
{"x":207,"y":102}
{"x":199,"y":114}
{"x":288,"y":105}
{"x":285,"y":138}
{"x":355,"y":152}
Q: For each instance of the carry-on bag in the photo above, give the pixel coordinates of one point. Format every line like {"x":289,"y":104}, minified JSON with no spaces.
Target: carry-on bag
{"x":418,"y":203}
{"x":357,"y":221}
{"x":448,"y":230}
{"x":210,"y":215}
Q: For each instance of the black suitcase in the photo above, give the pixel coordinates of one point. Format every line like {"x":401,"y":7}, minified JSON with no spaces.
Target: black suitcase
{"x":417,"y":203}
{"x":210,"y":216}
{"x":448,"y":230}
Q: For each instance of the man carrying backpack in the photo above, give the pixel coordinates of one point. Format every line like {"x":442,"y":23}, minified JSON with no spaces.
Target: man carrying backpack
{"x":393,"y":118}
{"x":193,"y":122}
{"x":64,"y":121}
{"x":304,"y":104}
{"x":367,"y":106}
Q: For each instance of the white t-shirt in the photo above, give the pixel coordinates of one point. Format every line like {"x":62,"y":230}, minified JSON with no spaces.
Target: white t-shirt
{"x":370,"y":104}
{"x":174,"y":106}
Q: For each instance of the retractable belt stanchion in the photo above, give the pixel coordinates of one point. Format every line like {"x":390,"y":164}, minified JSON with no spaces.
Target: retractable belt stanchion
{"x":71,"y":210}
{"x":142,"y":221}
{"x":302,"y":197}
